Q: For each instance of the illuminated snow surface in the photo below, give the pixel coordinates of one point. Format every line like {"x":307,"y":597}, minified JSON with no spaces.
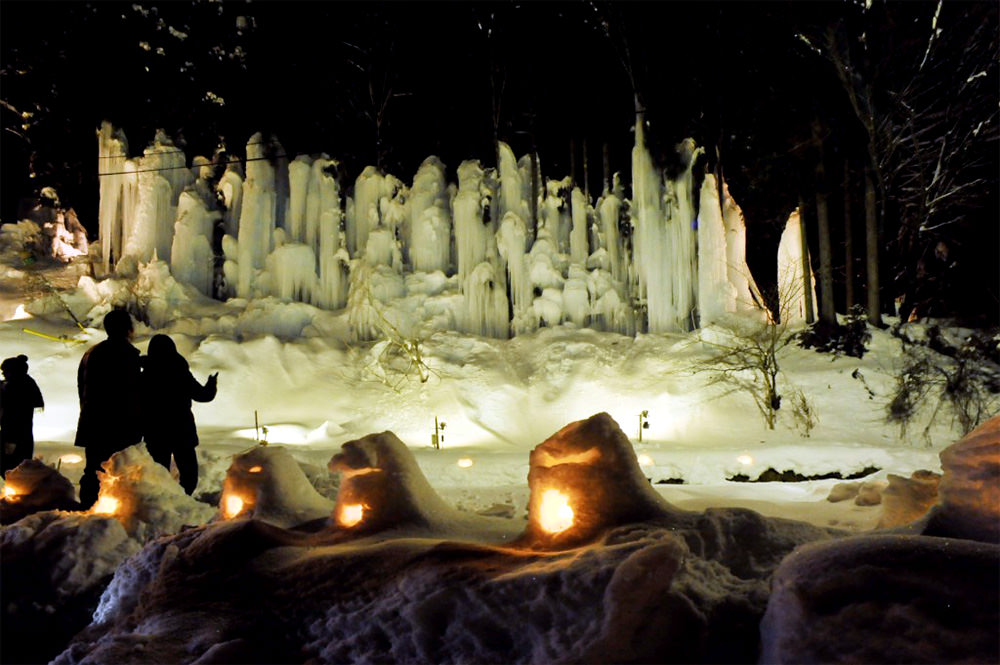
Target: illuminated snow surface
{"x":461,"y":576}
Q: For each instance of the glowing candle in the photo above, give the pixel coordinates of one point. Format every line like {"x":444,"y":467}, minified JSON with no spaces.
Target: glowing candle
{"x":233,"y":506}
{"x":106,"y":505}
{"x":351,"y":514}
{"x":555,"y":513}
{"x":255,"y":469}
{"x":9,"y":491}
{"x":645,"y":460}
{"x":465,"y":463}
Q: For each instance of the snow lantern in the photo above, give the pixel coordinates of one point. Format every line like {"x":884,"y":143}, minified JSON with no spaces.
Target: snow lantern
{"x":266,"y":483}
{"x":383,"y":487}
{"x":32,"y":487}
{"x":970,"y":487}
{"x":144,"y":497}
{"x":585,"y":479}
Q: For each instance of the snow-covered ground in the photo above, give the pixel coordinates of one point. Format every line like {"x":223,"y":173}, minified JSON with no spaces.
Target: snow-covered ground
{"x":465,"y":589}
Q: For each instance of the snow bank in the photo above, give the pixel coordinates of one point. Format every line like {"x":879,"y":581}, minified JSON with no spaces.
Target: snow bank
{"x":882,"y":599}
{"x":32,"y":487}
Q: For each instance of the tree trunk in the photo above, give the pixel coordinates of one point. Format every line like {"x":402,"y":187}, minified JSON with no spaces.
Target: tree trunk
{"x":806,"y":268}
{"x":827,"y":311}
{"x":848,"y":241}
{"x":871,"y":251}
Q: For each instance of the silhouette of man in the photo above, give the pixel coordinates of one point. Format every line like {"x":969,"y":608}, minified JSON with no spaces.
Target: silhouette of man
{"x":109,"y":385}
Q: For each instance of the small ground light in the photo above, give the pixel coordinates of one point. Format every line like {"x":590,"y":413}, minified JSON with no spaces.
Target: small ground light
{"x":233,"y":507}
{"x":464,"y":463}
{"x":255,"y":469}
{"x":71,"y":458}
{"x":9,"y":492}
{"x":745,"y":460}
{"x":645,"y":460}
{"x":106,"y":505}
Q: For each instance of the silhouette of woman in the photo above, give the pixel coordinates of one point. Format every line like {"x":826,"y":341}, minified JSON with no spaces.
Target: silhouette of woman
{"x":169,"y":428}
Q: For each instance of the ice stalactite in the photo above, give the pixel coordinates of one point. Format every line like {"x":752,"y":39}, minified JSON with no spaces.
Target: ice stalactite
{"x":512,"y":186}
{"x":748,"y":296}
{"x":485,"y":303}
{"x":791,"y":280}
{"x":511,"y":243}
{"x":191,"y":257}
{"x":608,"y":211}
{"x":334,"y":261}
{"x":472,"y":232}
{"x":716,"y":295}
{"x":257,"y":216}
{"x":682,"y":261}
{"x":428,"y":235}
{"x":112,"y":153}
{"x":579,"y":244}
{"x":576,"y":299}
{"x":291,"y":270}
{"x":230,"y":187}
{"x":299,"y":172}
{"x":526,"y":165}
{"x":370,"y":189}
{"x":556,"y":214}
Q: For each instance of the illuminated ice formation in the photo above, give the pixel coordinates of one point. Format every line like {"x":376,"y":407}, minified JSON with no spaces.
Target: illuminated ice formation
{"x":584,"y":480}
{"x":267,"y":484}
{"x":289,"y":231}
{"x":791,"y":280}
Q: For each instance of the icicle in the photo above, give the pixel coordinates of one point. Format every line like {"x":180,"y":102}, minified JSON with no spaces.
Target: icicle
{"x":299,"y":172}
{"x":472,"y":232}
{"x":716,"y":295}
{"x":231,"y":188}
{"x":485,"y":303}
{"x":112,"y":153}
{"x":511,"y":241}
{"x":578,"y":242}
{"x":292,"y":271}
{"x":191,"y":258}
{"x":748,"y":296}
{"x":257,"y":217}
{"x":428,"y":233}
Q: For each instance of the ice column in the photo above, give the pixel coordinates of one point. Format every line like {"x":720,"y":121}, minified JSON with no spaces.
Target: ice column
{"x":791,"y":282}
{"x":429,"y":234}
{"x":230,"y":186}
{"x":333,"y":259}
{"x":511,"y":243}
{"x":609,"y":209}
{"x":112,"y":152}
{"x":485,"y":303}
{"x":257,"y":217}
{"x":299,"y":173}
{"x":472,"y":233}
{"x":748,"y":297}
{"x":191,"y":257}
{"x":512,"y":185}
{"x":291,"y":268}
{"x":579,"y":248}
{"x":163,"y":174}
{"x":716,"y":295}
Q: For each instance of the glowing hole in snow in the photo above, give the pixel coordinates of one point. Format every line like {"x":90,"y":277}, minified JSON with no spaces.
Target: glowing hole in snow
{"x":9,"y":491}
{"x":555,"y":513}
{"x":645,"y":460}
{"x":255,"y":469}
{"x":745,"y":460}
{"x":233,"y":506}
{"x":351,"y":514}
{"x":464,"y":463}
{"x":106,"y":505}
{"x":71,"y":458}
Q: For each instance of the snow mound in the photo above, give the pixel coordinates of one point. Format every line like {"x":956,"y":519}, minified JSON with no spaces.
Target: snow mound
{"x":885,"y":598}
{"x":145,"y":497}
{"x":585,"y":479}
{"x":383,"y":488}
{"x":970,"y":488}
{"x":906,"y":500}
{"x":32,"y":487}
{"x":266,"y":483}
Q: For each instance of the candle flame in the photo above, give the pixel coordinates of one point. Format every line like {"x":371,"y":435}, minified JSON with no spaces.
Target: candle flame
{"x":555,"y":513}
{"x":233,"y":506}
{"x":106,"y":505}
{"x":255,"y":469}
{"x":9,"y":491}
{"x":71,"y":458}
{"x":351,"y":514}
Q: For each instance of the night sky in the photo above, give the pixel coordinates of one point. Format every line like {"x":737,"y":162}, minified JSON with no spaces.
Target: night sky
{"x":734,"y":76}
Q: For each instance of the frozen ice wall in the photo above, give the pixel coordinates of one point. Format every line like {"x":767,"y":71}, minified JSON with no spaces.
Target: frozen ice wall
{"x":191,"y":257}
{"x":473,"y":234}
{"x":112,"y":153}
{"x":579,"y":244}
{"x":716,"y":295}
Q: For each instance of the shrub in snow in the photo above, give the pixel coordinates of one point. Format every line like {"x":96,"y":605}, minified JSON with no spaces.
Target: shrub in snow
{"x":267,"y":484}
{"x":144,"y":496}
{"x":885,"y":599}
{"x":585,"y":479}
{"x":970,"y":488}
{"x":33,"y":486}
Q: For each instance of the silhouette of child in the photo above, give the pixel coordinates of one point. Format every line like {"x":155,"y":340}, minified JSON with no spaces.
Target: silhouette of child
{"x":19,"y":397}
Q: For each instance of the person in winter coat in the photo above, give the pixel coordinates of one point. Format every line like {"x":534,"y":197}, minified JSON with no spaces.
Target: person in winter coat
{"x":19,"y":397}
{"x":109,"y":384}
{"x":169,"y":424}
